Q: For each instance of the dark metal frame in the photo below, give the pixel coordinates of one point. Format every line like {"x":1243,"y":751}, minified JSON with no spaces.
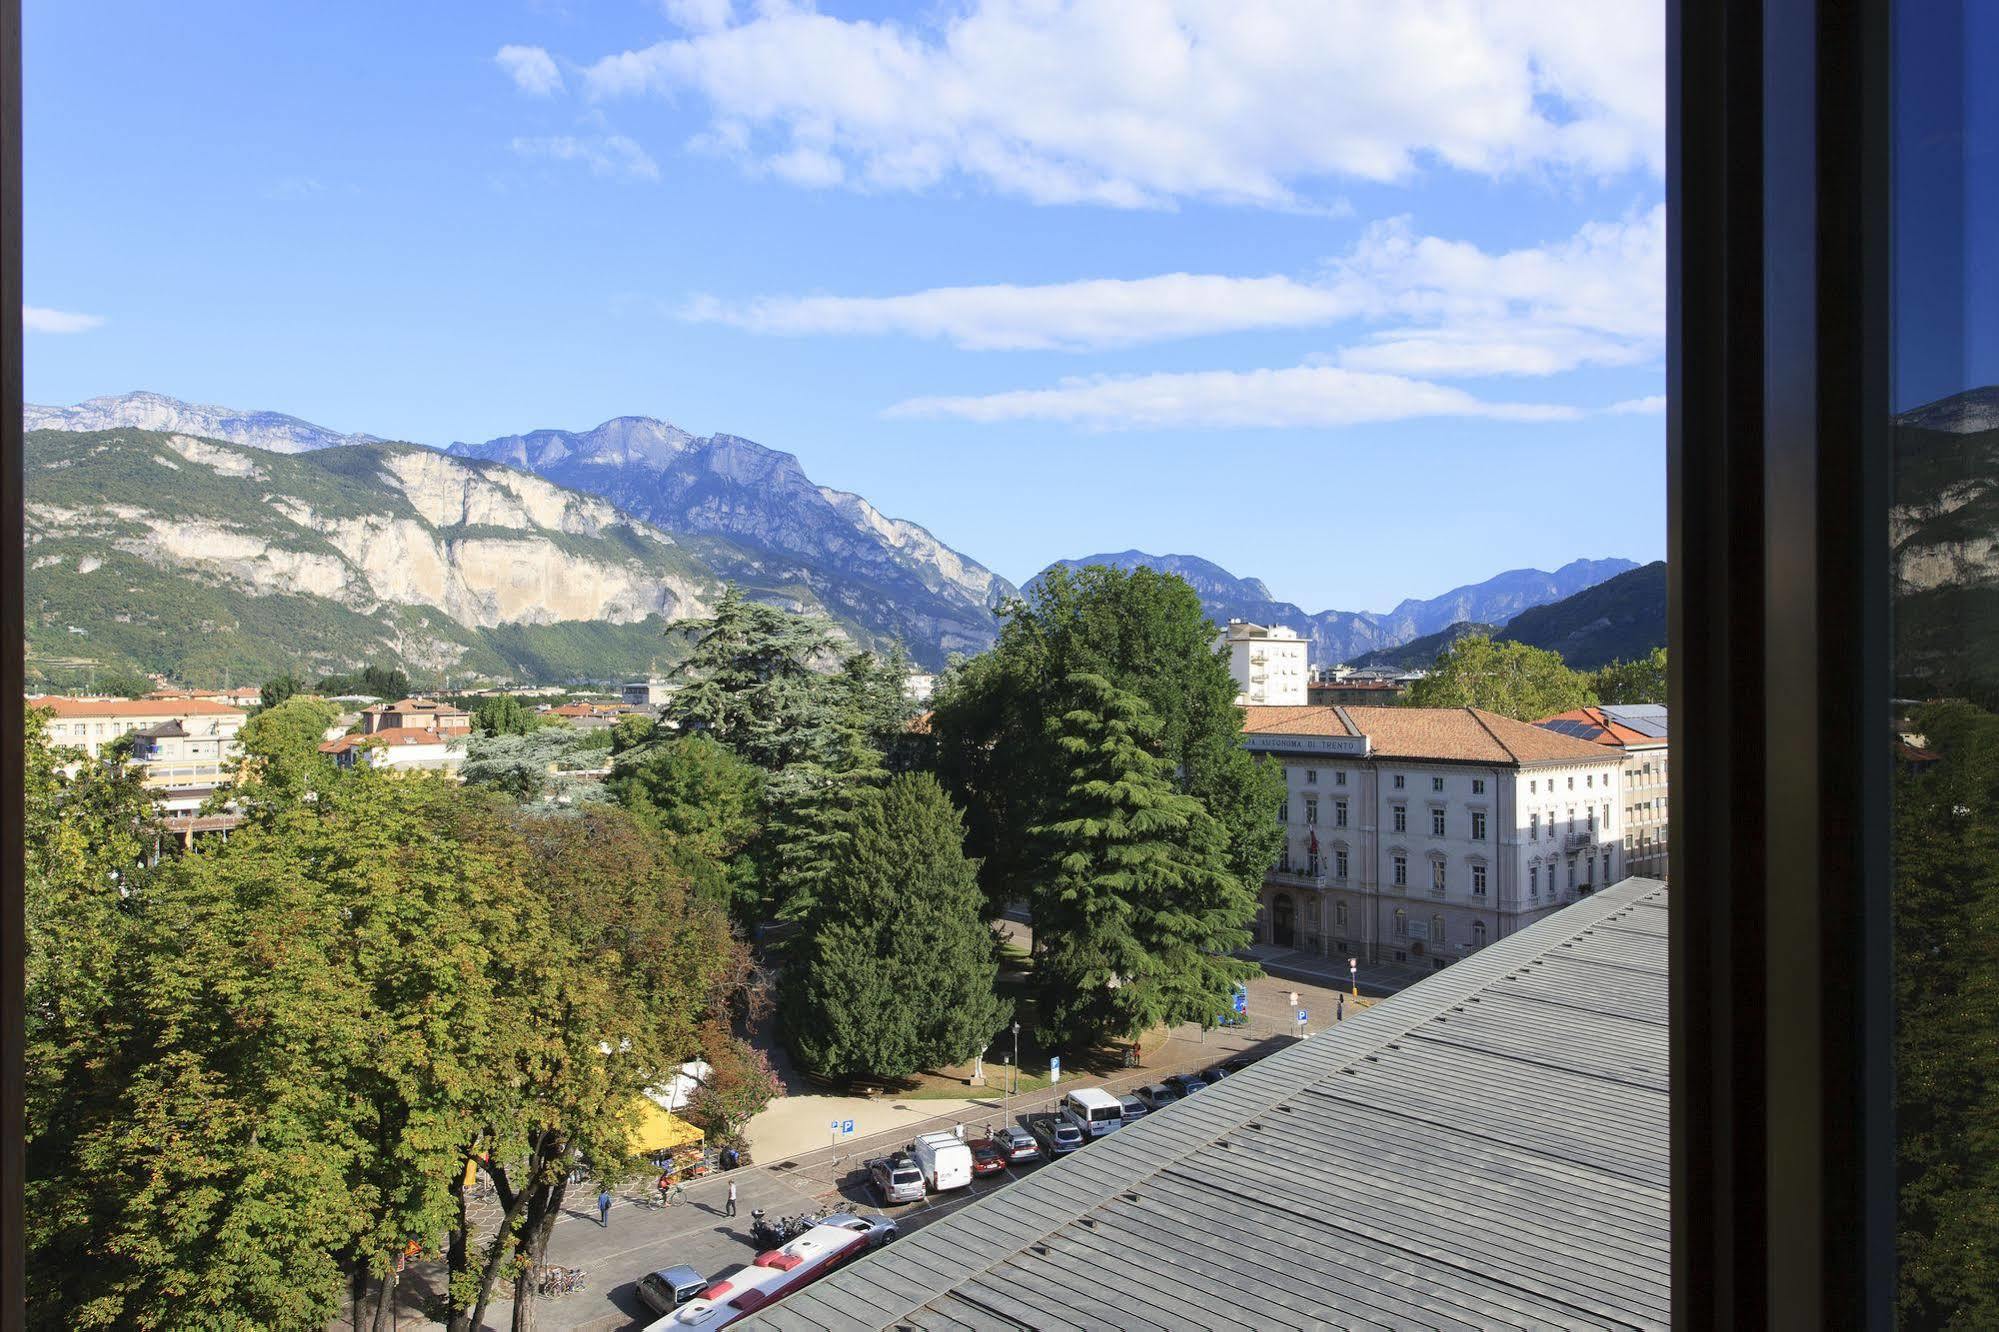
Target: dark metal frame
{"x":1783,"y":1203}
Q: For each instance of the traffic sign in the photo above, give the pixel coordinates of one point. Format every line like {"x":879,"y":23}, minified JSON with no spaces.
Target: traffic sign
{"x":847,"y":1126}
{"x":1302,"y":1015}
{"x":1054,"y":1069}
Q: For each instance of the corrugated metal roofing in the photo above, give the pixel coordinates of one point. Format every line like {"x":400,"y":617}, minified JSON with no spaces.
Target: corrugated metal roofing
{"x":1485,"y":1149}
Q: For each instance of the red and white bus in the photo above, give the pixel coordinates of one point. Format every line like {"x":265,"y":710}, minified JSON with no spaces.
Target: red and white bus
{"x":776,"y":1274}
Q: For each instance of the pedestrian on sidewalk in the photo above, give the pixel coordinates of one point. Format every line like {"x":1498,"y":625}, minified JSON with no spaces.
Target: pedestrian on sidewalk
{"x":960,"y":1131}
{"x":732,"y":1197}
{"x":1340,"y":1009}
{"x":604,"y":1208}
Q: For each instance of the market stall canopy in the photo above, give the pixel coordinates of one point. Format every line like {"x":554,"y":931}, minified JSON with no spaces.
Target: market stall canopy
{"x":658,"y":1131}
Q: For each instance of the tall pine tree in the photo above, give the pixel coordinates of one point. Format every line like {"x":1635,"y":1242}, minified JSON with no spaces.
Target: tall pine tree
{"x":1136,"y":903}
{"x":896,"y":964}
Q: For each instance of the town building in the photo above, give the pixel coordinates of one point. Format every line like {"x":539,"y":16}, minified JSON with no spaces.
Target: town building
{"x":1355,"y":693}
{"x":1488,"y":1148}
{"x":1269,"y":663}
{"x":416,"y":714}
{"x":402,"y":748}
{"x":243,"y":696}
{"x":918,"y":686}
{"x":1639,"y":732}
{"x":651,"y":693}
{"x":1420,"y":835}
{"x":89,"y":724}
{"x":184,"y":762}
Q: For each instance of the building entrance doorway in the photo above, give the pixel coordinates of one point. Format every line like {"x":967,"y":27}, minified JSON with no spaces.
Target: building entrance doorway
{"x":1283,"y":922}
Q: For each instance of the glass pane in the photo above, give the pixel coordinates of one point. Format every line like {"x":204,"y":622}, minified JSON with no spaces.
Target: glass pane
{"x":1945,"y":533}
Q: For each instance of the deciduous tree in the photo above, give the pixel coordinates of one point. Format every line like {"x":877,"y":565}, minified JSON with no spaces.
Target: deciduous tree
{"x":1511,"y":679}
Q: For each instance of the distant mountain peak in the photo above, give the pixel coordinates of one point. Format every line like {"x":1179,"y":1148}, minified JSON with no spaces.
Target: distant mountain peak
{"x":1339,"y":636}
{"x":1959,"y":414}
{"x":144,"y":410}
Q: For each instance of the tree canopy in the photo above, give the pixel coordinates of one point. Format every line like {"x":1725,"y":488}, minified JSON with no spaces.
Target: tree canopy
{"x":896,"y":963}
{"x":1136,"y":905}
{"x":1511,"y":679}
{"x":1144,"y":633}
{"x":1640,"y":681}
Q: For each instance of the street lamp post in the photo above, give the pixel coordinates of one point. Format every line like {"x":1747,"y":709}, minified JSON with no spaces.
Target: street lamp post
{"x":1016,"y":1060}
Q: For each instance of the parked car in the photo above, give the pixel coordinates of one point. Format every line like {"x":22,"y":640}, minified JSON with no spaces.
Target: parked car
{"x":1186,"y":1084}
{"x":896,"y":1179}
{"x":1213,"y":1075}
{"x":879,"y":1229}
{"x":1018,"y":1143}
{"x":1132,"y":1108}
{"x":1057,"y":1135}
{"x":944,"y":1159}
{"x":1239,"y":1063}
{"x":988,"y":1157}
{"x":670,"y":1287}
{"x":1158,"y":1096}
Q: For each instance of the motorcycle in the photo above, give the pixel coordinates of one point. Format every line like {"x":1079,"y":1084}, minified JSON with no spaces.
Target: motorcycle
{"x":763,"y":1234}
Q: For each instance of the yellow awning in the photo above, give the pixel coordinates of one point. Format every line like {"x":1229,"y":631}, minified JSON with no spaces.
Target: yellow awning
{"x":659,"y":1131}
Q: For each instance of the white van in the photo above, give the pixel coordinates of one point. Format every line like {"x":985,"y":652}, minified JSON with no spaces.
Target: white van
{"x":944,"y":1159}
{"x":1093,"y":1110}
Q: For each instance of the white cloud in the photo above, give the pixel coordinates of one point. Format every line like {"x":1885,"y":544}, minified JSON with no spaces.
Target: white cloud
{"x":1302,"y":396}
{"x":531,"y":68}
{"x":610,"y":155}
{"x":1438,"y":308}
{"x":1655,"y":405}
{"x":39,"y":319}
{"x":699,"y":15}
{"x":1136,"y":103}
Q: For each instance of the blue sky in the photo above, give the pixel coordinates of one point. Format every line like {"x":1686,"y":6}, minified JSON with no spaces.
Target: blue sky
{"x":1365,"y":302}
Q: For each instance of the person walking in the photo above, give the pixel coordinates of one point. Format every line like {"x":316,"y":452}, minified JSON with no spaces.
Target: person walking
{"x":732,"y":1197}
{"x":1340,"y":1010}
{"x":604,"y":1208}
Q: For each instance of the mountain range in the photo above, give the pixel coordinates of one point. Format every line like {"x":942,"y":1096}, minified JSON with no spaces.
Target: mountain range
{"x":195,"y":540}
{"x":1944,"y":538}
{"x":1619,"y":619}
{"x":1339,"y":636}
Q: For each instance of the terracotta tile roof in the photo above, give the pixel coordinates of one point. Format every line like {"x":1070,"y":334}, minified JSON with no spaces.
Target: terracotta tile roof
{"x":129,"y":707}
{"x":1466,"y":735}
{"x":392,"y":735}
{"x":1598,"y":727}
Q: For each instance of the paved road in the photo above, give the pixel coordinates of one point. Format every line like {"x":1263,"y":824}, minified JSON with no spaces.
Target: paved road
{"x":643,"y":1236}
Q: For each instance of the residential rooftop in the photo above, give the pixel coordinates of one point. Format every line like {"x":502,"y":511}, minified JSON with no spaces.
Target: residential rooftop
{"x":1462,"y":735}
{"x":1621,"y":725}
{"x":133,"y":707}
{"x":1486,"y":1148}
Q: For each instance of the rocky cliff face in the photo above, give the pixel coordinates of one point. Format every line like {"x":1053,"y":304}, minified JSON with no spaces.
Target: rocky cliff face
{"x":1340,"y":636}
{"x":365,"y":550}
{"x":1944,"y":534}
{"x":155,"y":411}
{"x":886,"y":573}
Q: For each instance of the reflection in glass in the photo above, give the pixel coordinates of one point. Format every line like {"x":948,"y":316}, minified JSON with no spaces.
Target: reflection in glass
{"x":1945,"y":535}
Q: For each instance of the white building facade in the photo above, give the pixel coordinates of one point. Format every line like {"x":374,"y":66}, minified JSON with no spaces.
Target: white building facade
{"x":1270,"y":663}
{"x":1419,"y":835}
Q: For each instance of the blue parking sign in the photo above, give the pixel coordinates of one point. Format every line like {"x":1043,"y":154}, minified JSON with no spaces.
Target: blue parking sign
{"x":1302,"y":1016}
{"x":847,"y":1127}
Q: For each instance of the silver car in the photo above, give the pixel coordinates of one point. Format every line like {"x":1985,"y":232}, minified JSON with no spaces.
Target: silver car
{"x":896,"y":1179}
{"x":670,"y":1287}
{"x":1132,"y":1107}
{"x":879,"y":1229}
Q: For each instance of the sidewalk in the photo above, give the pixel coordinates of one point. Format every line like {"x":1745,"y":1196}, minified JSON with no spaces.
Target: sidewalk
{"x":1377,"y":979}
{"x":796,"y":1124}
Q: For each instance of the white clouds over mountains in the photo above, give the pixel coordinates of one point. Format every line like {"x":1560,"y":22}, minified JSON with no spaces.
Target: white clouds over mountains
{"x":1440,"y":307}
{"x":1138,"y":103}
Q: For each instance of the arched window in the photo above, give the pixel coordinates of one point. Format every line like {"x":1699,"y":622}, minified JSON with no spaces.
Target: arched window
{"x":1401,"y":923}
{"x":1437,"y":931}
{"x":1478,"y":934}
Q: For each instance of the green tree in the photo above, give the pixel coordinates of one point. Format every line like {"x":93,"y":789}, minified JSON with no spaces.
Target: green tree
{"x":1511,"y":679}
{"x":1136,"y":904}
{"x":1641,"y":681}
{"x":504,"y":714}
{"x":709,"y":803}
{"x":535,"y":766}
{"x":1144,"y":632}
{"x":278,"y":689}
{"x":388,"y":682}
{"x":740,"y":1083}
{"x":122,"y":683}
{"x":89,"y":832}
{"x":754,"y":680}
{"x":896,"y":965}
{"x":1946,"y":850}
{"x":281,"y":762}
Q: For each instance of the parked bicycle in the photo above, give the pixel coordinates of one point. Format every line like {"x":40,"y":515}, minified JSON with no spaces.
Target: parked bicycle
{"x":556,"y":1280}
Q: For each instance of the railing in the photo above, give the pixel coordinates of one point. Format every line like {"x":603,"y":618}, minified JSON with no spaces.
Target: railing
{"x":1575,"y":841}
{"x":1298,"y":878}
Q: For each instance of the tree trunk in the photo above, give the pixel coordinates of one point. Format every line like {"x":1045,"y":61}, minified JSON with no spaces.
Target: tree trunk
{"x":457,"y":1257}
{"x":386,"y":1299}
{"x":502,"y":1247}
{"x":534,"y":1243}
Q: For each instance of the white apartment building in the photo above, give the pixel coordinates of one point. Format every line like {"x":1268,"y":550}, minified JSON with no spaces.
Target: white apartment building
{"x":650,"y":693}
{"x":1419,"y":835}
{"x":1641,"y":732}
{"x":89,"y":724}
{"x":404,"y":748}
{"x":1269,"y":663}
